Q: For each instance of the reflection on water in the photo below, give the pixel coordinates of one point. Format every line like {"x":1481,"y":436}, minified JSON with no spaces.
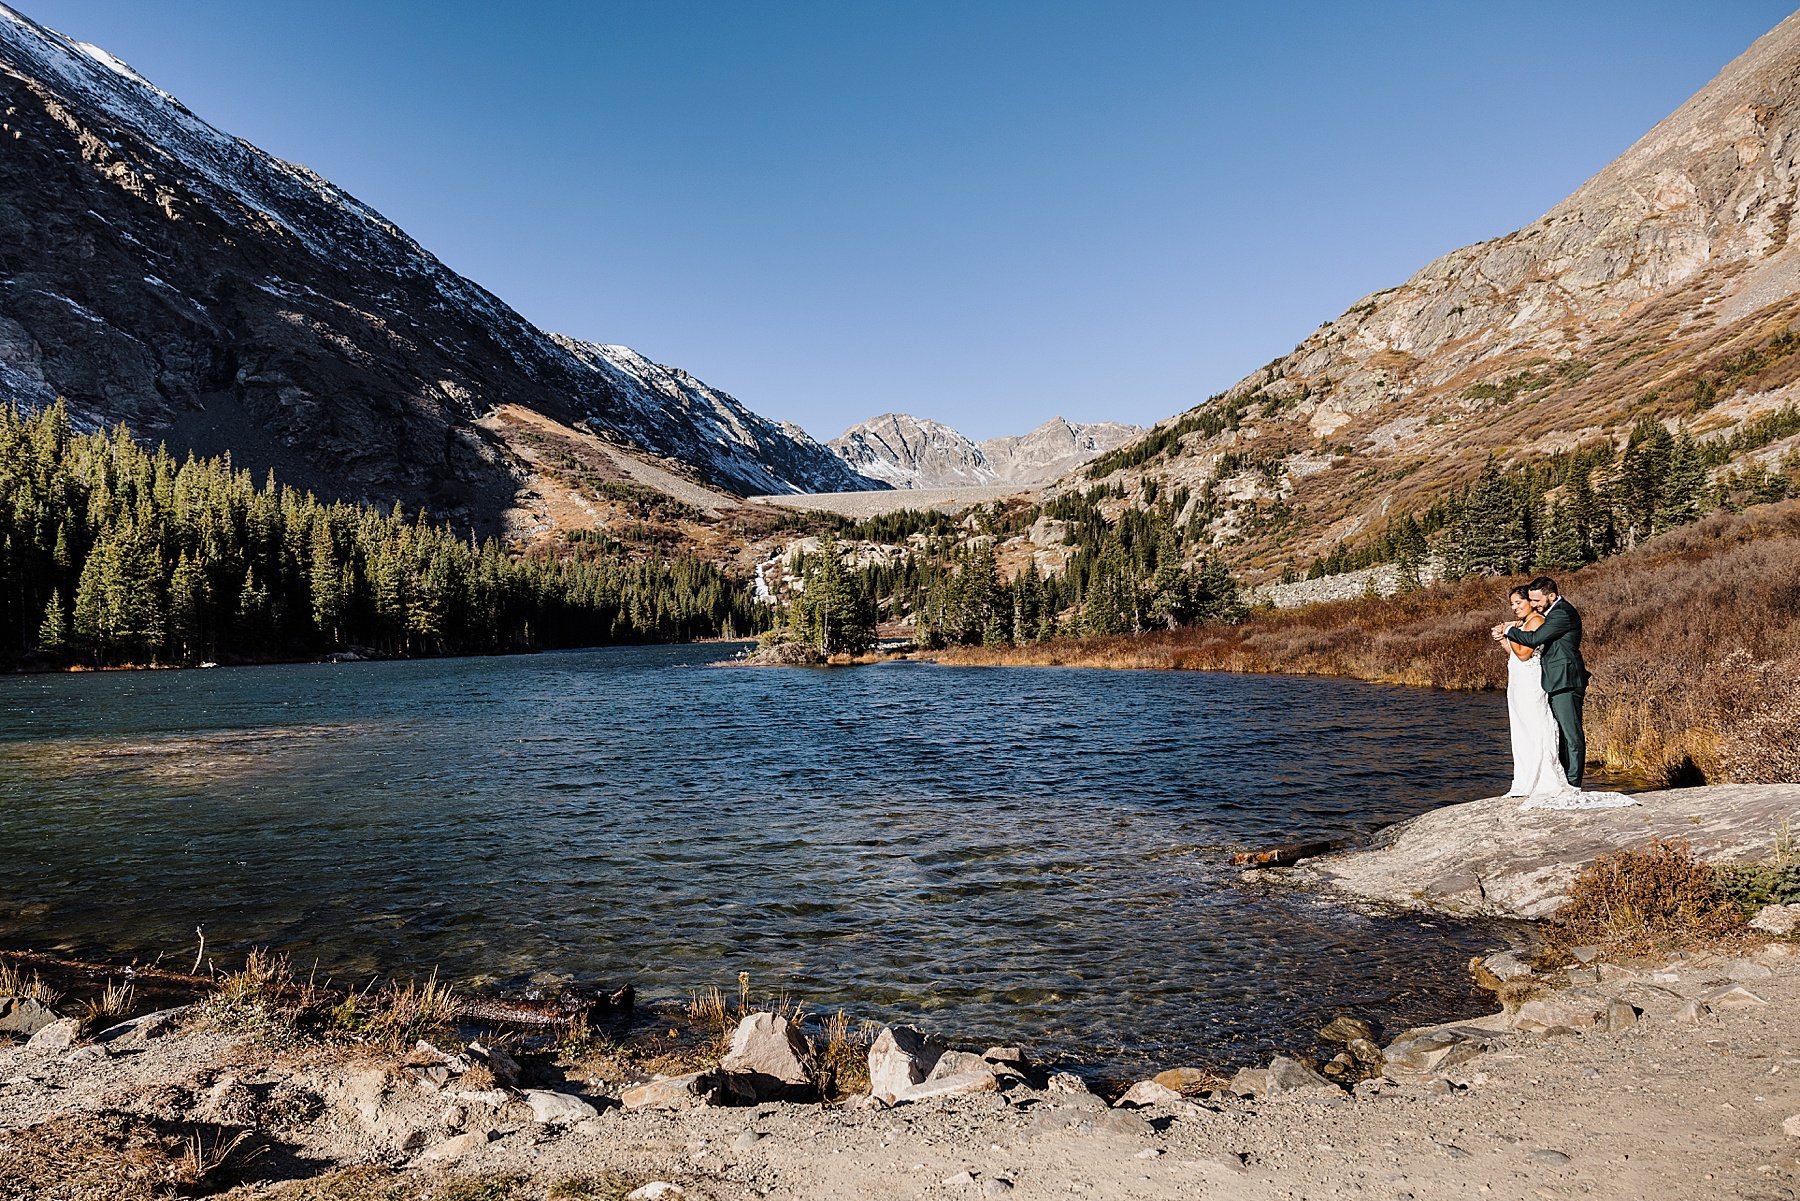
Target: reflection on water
{"x":1027,"y":854}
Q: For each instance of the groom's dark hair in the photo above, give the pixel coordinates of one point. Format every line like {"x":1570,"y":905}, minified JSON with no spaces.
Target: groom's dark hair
{"x":1544,"y":584}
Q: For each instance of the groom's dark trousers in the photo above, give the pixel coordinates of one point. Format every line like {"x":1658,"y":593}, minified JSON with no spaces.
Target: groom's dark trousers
{"x":1565,"y":679}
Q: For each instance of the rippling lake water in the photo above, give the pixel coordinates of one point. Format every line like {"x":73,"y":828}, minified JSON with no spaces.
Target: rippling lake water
{"x":1029,"y":855}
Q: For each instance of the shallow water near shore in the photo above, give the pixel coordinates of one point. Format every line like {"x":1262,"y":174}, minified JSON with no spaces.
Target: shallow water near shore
{"x":1022,"y":855}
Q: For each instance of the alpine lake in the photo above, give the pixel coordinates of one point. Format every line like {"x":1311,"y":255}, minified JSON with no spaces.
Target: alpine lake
{"x":1026,"y":856}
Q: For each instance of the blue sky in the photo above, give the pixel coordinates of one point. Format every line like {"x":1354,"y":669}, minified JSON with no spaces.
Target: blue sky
{"x":984,"y":213}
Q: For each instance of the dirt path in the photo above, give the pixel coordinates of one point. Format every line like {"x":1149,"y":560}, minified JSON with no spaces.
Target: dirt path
{"x":1663,"y":1108}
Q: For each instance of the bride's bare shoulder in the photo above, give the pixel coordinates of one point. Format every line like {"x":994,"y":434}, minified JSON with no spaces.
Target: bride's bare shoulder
{"x":1534,"y":621}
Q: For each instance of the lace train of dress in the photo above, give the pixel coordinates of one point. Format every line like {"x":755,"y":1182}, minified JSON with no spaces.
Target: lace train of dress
{"x":1537,"y":769}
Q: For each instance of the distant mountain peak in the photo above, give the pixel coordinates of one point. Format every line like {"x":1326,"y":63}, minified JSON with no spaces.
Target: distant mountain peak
{"x":917,"y":452}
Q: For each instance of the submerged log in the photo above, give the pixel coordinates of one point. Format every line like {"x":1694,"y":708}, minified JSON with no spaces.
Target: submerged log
{"x":1283,"y":855}
{"x":562,"y":1010}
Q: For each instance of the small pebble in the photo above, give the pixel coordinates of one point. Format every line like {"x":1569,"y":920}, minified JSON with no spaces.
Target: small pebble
{"x":1548,"y":1155}
{"x":748,"y":1138}
{"x":999,"y":1186}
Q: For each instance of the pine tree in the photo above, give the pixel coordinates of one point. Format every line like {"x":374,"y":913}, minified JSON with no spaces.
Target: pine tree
{"x":53,"y":631}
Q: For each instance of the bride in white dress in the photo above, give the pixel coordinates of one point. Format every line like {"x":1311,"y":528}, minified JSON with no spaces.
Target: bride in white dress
{"x":1537,"y":769}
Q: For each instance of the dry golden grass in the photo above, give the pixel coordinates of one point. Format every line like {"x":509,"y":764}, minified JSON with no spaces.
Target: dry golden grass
{"x":842,"y":1055}
{"x":1635,"y":901}
{"x":15,"y":983}
{"x":114,"y":1004}
{"x":1693,"y":638}
{"x":112,"y":1156}
{"x":266,"y":999}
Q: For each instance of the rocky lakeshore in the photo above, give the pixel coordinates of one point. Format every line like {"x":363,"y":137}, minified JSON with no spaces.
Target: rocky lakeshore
{"x":1598,"y":1076}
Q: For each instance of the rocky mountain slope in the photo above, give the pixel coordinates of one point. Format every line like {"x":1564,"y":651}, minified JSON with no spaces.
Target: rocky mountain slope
{"x":158,"y":271}
{"x":1663,"y":286}
{"x":914,"y":452}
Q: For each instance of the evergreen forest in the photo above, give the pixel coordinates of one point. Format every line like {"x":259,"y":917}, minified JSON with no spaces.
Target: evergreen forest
{"x":114,"y":554}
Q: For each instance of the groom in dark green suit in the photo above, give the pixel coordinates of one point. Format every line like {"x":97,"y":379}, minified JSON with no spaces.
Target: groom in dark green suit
{"x":1565,"y":675}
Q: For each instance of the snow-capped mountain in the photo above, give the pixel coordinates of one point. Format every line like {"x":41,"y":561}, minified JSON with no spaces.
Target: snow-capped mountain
{"x":159,"y":271}
{"x":915,"y":452}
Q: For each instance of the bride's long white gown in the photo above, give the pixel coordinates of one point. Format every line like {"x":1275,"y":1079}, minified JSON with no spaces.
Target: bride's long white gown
{"x":1537,"y":769}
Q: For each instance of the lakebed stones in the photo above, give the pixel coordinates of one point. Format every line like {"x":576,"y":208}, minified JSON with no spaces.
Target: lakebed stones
{"x":769,"y":1060}
{"x":1346,"y":1029}
{"x":24,"y":1015}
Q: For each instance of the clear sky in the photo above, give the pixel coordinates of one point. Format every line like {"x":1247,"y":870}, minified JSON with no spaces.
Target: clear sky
{"x":984,"y":213}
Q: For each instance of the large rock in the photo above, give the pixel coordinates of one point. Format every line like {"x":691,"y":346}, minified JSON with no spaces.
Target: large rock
{"x":1487,"y":858}
{"x":59,"y":1035}
{"x":670,"y":1092}
{"x":143,"y":1028}
{"x":957,"y":1085}
{"x":23,"y":1015}
{"x":1571,"y":1008}
{"x":557,"y":1109}
{"x":1290,"y":1076}
{"x":1148,"y":1092}
{"x":1434,"y":1049}
{"x":769,"y":1060}
{"x":901,"y":1057}
{"x":1776,"y":919}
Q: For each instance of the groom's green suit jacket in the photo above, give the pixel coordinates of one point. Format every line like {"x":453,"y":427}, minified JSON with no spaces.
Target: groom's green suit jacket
{"x":1560,"y":639}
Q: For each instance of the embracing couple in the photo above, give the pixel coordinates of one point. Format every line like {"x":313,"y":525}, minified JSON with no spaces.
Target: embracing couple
{"x":1546,"y":683}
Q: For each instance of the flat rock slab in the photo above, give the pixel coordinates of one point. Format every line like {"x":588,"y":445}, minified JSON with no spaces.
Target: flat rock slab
{"x":1486,"y":858}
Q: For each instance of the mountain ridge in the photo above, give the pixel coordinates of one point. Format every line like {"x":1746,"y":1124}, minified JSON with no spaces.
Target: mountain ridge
{"x":164,"y":273}
{"x":1645,"y":292}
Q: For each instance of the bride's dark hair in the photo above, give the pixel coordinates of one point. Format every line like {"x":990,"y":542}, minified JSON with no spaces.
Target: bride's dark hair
{"x":1521,"y":591}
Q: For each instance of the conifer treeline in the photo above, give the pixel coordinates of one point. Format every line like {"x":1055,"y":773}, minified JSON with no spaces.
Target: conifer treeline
{"x":1566,"y":510}
{"x":113,"y":554}
{"x":1129,"y":574}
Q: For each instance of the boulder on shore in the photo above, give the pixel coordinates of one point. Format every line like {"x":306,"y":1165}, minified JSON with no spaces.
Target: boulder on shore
{"x":769,"y":1060}
{"x":901,"y":1057}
